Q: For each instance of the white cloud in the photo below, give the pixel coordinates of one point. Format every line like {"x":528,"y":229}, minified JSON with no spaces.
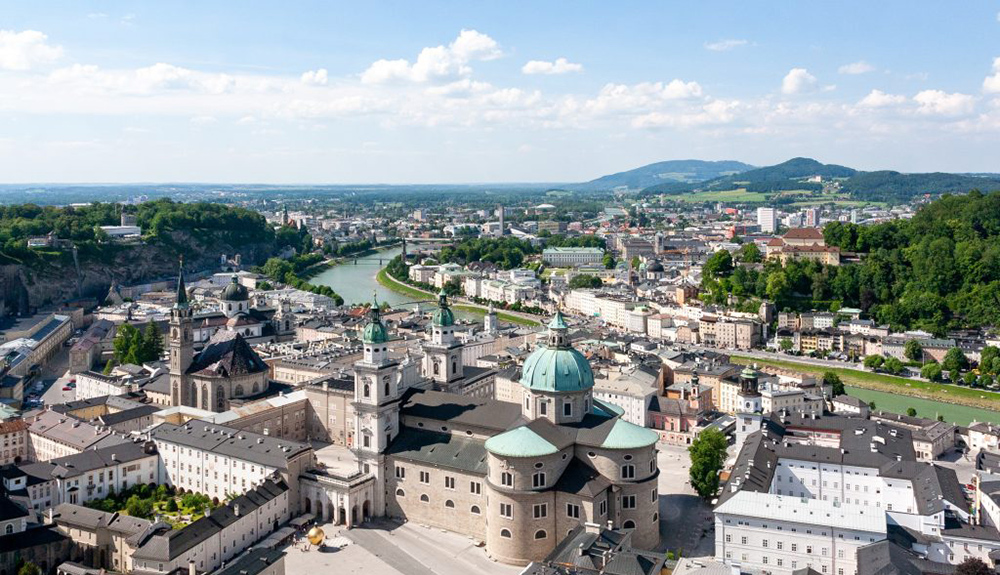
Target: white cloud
{"x":714,"y":112}
{"x":940,"y":103}
{"x":440,"y":63}
{"x":798,"y":81}
{"x":880,"y":99}
{"x":855,"y":68}
{"x":315,"y":77}
{"x":991,"y":84}
{"x":560,"y":66}
{"x":725,"y":45}
{"x":25,"y":50}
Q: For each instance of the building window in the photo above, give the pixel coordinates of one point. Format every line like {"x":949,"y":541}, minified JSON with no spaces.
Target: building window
{"x":567,"y":409}
{"x":628,"y":501}
{"x":449,"y":504}
{"x":572,"y":511}
{"x":506,"y":511}
{"x":474,"y":510}
{"x":367,"y":390}
{"x":543,"y":408}
{"x":400,"y":472}
{"x":400,"y":493}
{"x":628,"y":471}
{"x":476,"y":488}
{"x":505,"y":533}
{"x":425,"y":477}
{"x":540,"y":534}
{"x":538,"y":479}
{"x":424,"y":498}
{"x":449,"y":483}
{"x":603,"y":509}
{"x":507,"y":479}
{"x":540,"y":510}
{"x":628,"y":524}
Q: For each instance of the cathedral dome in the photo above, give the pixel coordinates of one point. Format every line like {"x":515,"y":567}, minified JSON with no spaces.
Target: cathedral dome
{"x":557,"y":366}
{"x":235,"y":291}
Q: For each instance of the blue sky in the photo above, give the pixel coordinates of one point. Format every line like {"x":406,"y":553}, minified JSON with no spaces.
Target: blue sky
{"x":423,"y":92}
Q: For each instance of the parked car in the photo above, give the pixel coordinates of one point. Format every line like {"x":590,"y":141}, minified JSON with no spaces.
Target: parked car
{"x":67,"y":388}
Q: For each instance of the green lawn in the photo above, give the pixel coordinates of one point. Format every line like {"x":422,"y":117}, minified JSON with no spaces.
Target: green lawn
{"x":737,"y":195}
{"x":891,"y":384}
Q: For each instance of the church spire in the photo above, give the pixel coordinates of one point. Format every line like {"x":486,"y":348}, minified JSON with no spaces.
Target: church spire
{"x":182,"y":297}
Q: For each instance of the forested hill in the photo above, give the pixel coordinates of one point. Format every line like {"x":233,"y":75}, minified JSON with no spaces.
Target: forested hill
{"x":884,"y":186}
{"x":201,"y":232}
{"x":677,"y":171}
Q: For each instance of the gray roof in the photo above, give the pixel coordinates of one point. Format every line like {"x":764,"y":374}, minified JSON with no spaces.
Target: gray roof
{"x":440,"y":449}
{"x":85,"y":461}
{"x":243,"y":445}
{"x":469,"y":411}
{"x":92,"y":519}
{"x":72,"y":432}
{"x":250,"y":563}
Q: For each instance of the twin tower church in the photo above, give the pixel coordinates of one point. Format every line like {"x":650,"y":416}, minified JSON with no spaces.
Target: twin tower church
{"x":517,"y":476}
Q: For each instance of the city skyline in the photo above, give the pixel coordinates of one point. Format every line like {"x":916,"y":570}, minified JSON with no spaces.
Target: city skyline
{"x":126,"y":92}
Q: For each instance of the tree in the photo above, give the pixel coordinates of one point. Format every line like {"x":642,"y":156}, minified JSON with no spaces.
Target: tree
{"x":609,"y":261}
{"x":985,"y":380}
{"x":585,"y":281}
{"x":749,"y":253}
{"x":172,"y":505}
{"x":833,"y":380}
{"x":954,"y":360}
{"x":893,"y":366}
{"x":971,"y":566}
{"x":940,"y":418}
{"x":913,"y":350}
{"x":636,"y":262}
{"x":128,"y":344}
{"x":911,"y":412}
{"x":969,"y":379}
{"x":871,"y":405}
{"x":785,"y":344}
{"x":874,"y":361}
{"x":152,"y":342}
{"x":955,"y":376}
{"x":29,"y":568}
{"x":719,"y":264}
{"x":987,"y":357}
{"x":708,"y":453}
{"x":137,"y":507}
{"x":931,"y":372}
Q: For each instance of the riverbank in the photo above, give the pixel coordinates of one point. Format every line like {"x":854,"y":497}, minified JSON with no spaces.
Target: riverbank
{"x":389,"y":282}
{"x":881,"y":382}
{"x":320,"y":267}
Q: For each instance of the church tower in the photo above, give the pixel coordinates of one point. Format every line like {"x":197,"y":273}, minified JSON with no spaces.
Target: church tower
{"x":490,"y":322}
{"x":443,"y":353}
{"x":181,"y":344}
{"x":749,"y":406}
{"x":376,"y":403}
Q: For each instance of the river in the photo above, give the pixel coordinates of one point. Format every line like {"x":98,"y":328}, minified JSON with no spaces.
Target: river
{"x":356,"y":282}
{"x":957,"y":414}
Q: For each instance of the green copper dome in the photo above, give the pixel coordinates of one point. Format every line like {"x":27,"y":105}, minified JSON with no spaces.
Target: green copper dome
{"x":625,"y":435}
{"x":375,"y":331}
{"x":443,"y":316}
{"x":520,"y":442}
{"x":557,"y":369}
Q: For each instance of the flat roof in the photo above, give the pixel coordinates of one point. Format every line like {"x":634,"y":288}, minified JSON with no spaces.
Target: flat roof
{"x":805,"y":511}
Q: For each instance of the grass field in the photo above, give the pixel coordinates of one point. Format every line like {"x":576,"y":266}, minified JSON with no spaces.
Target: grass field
{"x":737,"y":195}
{"x":892,"y":384}
{"x":410,"y":291}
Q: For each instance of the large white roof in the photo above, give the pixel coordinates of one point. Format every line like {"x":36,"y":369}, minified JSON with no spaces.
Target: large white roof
{"x":805,"y":511}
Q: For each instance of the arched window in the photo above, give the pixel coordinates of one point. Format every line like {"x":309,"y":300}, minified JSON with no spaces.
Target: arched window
{"x":437,"y":369}
{"x":387,"y":389}
{"x":474,"y":510}
{"x":367,"y":390}
{"x":541,"y":534}
{"x":9,"y":529}
{"x":656,"y":517}
{"x":204,"y":397}
{"x":256,"y":388}
{"x":424,"y":498}
{"x":507,"y":479}
{"x":454,"y":366}
{"x":400,"y":493}
{"x":505,"y":533}
{"x":220,"y":398}
{"x":238,"y":392}
{"x":449,"y":504}
{"x":538,"y":480}
{"x":628,"y":524}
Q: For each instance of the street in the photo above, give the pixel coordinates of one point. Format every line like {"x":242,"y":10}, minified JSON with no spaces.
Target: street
{"x":685,"y":519}
{"x":53,"y":378}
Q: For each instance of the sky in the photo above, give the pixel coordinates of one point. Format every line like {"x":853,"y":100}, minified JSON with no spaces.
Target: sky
{"x":504,"y":91}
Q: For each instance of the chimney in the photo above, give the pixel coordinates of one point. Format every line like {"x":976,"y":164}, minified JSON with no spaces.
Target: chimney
{"x":191,"y":569}
{"x":114,"y":457}
{"x":236,"y":509}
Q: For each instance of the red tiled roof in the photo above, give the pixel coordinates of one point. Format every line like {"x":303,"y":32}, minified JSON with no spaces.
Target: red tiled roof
{"x":803,"y":234}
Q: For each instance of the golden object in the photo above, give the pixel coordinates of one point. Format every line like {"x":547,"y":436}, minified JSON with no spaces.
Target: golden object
{"x":316,"y":536}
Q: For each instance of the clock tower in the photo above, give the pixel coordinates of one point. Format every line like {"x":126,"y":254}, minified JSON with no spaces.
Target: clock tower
{"x":181,"y":343}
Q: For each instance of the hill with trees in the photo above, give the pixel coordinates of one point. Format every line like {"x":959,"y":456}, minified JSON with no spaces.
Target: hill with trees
{"x":677,"y":171}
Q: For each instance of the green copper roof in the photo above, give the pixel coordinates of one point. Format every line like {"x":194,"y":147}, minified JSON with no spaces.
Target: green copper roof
{"x":520,"y":442}
{"x":748,"y":373}
{"x":443,"y":316}
{"x":557,"y":369}
{"x":558,"y":321}
{"x":625,"y":435}
{"x":375,"y":331}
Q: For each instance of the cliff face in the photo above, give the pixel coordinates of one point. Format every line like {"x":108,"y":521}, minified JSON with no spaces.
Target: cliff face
{"x":57,"y":281}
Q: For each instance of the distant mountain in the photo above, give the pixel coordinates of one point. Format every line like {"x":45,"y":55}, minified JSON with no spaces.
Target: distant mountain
{"x":793,"y":176}
{"x":674,"y":171}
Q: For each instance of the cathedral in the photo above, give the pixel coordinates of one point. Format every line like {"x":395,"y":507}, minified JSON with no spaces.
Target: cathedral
{"x":226,"y":369}
{"x":518,"y":477}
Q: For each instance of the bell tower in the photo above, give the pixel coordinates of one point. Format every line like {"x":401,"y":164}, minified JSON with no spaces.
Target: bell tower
{"x":181,"y":343}
{"x":376,"y":403}
{"x":443,"y":353}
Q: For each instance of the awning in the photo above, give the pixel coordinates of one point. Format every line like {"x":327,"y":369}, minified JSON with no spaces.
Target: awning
{"x":302,"y":520}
